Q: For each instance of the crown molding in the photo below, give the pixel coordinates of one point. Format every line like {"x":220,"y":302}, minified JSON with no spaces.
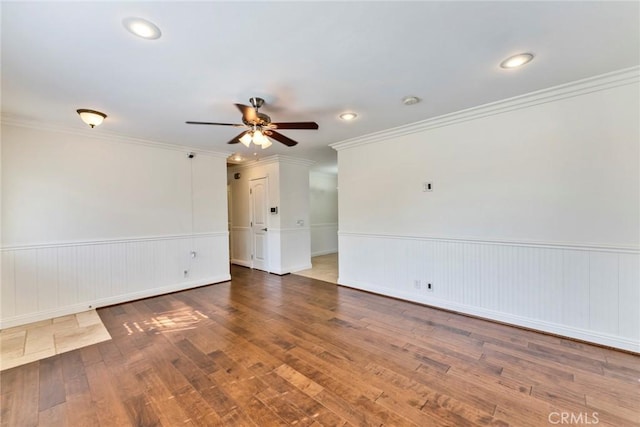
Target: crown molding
{"x":602,"y":82}
{"x":276,"y":158}
{"x":294,"y":160}
{"x":105,"y":136}
{"x":327,"y":174}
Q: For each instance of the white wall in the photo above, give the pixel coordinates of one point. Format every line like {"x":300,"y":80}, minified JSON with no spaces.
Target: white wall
{"x":534,"y":218}
{"x":323,"y":213}
{"x":295,"y":230}
{"x":90,"y":220}
{"x":288,"y":189}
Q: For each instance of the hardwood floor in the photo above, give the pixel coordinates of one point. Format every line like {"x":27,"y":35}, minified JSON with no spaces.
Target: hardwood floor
{"x":265,"y":350}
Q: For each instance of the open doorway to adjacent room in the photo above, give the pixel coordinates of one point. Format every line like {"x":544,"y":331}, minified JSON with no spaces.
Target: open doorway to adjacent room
{"x":323,"y":213}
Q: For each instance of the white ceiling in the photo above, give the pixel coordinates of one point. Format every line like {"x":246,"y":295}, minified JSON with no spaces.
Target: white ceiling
{"x":309,"y":60}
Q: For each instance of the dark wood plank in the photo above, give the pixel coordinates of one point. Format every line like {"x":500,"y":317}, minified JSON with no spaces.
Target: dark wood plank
{"x":140,"y":412}
{"x":20,"y":395}
{"x":51,"y":383}
{"x":105,"y":396}
{"x":54,"y":416}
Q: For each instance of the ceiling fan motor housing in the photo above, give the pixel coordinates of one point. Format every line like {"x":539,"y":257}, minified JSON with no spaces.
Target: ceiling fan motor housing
{"x":261,"y":120}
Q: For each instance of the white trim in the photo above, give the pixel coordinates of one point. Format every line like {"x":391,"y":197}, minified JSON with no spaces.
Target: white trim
{"x":327,"y":174}
{"x":77,"y":308}
{"x":325,"y":252}
{"x":553,"y":328}
{"x":549,"y":245}
{"x":300,"y":267}
{"x":324,"y":225}
{"x":292,"y":269}
{"x":241,"y":262}
{"x":622,"y":77}
{"x":289,"y":230}
{"x":107,"y":136}
{"x":276,"y":158}
{"x":113,"y":241}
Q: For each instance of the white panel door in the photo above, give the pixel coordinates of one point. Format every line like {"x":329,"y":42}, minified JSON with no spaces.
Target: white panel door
{"x":258,"y":206}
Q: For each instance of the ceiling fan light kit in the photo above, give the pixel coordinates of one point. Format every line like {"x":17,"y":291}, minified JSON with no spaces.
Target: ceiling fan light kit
{"x":260,"y":127}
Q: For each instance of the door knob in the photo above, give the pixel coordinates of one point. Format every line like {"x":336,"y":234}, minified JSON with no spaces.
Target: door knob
{"x":264,"y":229}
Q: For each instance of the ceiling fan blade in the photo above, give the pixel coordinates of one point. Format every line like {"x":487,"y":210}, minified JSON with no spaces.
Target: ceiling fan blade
{"x":248,"y":113}
{"x":295,"y":125}
{"x":237,"y":138}
{"x":280,"y":137}
{"x":213,"y":123}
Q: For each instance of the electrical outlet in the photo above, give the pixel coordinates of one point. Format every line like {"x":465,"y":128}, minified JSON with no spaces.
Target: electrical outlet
{"x":417,"y":285}
{"x":429,"y":287}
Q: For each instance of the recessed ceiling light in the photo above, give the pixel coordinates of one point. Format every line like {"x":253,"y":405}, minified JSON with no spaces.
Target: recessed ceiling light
{"x":142,"y":28}
{"x":348,"y":116}
{"x":410,"y":100}
{"x":516,"y":61}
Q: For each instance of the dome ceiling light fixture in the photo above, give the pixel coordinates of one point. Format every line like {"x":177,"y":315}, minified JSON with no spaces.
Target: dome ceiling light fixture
{"x":347,"y":117}
{"x":91,"y":117}
{"x":236,"y":158}
{"x":516,"y":61}
{"x":142,"y":28}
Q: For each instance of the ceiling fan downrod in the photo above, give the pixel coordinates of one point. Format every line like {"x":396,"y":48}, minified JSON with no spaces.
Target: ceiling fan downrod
{"x":256,"y":102}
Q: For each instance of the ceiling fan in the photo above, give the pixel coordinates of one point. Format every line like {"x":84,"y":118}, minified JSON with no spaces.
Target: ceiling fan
{"x":259,"y":126}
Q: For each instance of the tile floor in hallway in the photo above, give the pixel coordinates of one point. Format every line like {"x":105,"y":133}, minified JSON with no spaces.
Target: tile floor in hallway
{"x":27,"y":343}
{"x":325,"y":268}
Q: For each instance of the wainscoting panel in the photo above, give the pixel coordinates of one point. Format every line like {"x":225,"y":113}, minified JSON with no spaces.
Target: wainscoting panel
{"x":629,"y":296}
{"x":588,"y":293}
{"x":324,"y":239}
{"x":295,"y":252}
{"x":45,"y":281}
{"x":241,"y":241}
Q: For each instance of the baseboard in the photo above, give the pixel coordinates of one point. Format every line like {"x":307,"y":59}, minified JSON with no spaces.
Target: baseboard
{"x":291,"y":269}
{"x":241,"y":262}
{"x":325,"y":252}
{"x":103,"y":302}
{"x":538,"y":325}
